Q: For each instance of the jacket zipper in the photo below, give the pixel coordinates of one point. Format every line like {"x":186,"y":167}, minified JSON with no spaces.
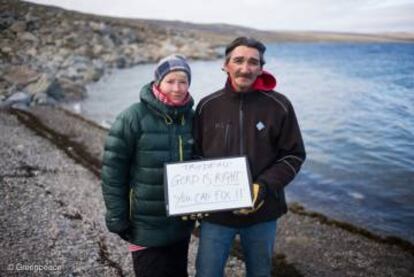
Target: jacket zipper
{"x":180,"y":142}
{"x":241,"y":125}
{"x":131,"y":196}
{"x":180,"y":148}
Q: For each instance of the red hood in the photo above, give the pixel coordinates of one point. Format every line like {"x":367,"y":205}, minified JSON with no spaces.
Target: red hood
{"x":264,"y":82}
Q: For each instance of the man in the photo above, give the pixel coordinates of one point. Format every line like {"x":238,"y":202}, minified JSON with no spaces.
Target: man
{"x":247,"y":117}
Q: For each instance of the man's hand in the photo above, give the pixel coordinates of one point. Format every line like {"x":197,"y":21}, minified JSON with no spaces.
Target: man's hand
{"x":259,"y":193}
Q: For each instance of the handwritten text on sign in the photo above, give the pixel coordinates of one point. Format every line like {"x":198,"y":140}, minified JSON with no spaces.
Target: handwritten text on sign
{"x":209,"y":185}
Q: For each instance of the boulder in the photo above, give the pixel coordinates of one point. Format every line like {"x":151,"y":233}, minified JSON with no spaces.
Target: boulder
{"x":100,"y":27}
{"x":7,"y":18}
{"x":18,"y":98}
{"x":21,"y":75}
{"x":45,"y":85}
{"x":32,"y":22}
{"x":18,"y":27}
{"x":43,"y":99}
{"x":97,"y":49}
{"x":72,"y":90}
{"x":26,"y":36}
{"x":121,"y":62}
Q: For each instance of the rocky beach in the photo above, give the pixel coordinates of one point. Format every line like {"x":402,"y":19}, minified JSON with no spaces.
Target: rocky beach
{"x":52,"y":220}
{"x":52,"y":211}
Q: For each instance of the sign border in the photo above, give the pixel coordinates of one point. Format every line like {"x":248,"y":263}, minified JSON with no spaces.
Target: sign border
{"x":249,"y":178}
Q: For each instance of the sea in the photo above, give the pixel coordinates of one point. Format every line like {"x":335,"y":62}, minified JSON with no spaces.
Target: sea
{"x":355,"y":107}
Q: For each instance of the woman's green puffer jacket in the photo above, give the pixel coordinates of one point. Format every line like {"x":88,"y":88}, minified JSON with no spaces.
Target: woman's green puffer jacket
{"x":143,"y":138}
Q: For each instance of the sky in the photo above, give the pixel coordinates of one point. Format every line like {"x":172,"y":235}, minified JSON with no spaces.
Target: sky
{"x":361,"y":16}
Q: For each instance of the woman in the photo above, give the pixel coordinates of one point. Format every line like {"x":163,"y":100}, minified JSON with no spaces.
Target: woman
{"x":143,"y":138}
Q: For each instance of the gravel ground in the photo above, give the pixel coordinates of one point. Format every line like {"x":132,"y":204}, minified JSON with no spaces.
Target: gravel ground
{"x":52,"y":213}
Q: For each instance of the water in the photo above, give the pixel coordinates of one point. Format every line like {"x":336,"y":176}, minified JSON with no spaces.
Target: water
{"x":355,"y":106}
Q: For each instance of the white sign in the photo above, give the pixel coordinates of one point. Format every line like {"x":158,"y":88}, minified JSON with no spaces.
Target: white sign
{"x":207,"y":185}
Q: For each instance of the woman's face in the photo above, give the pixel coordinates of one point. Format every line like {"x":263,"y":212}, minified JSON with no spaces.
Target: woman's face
{"x":175,"y":85}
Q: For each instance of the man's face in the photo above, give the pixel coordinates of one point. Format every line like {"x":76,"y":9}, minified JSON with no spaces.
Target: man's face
{"x":243,"y":67}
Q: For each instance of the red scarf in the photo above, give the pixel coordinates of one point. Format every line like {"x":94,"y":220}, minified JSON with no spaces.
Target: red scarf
{"x":167,"y":100}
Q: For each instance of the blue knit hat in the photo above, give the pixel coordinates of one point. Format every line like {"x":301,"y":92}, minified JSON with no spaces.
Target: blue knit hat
{"x":170,"y":63}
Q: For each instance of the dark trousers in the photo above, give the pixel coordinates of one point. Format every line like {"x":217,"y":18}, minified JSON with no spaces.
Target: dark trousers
{"x":162,"y":261}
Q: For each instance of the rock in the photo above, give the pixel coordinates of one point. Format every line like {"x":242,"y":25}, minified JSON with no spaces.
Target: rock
{"x":18,"y":27}
{"x":6,"y":19}
{"x":21,"y":75}
{"x":6,"y":49}
{"x":168,"y":47}
{"x":26,"y":36}
{"x":107,"y":42}
{"x":40,"y":86}
{"x":72,"y":90}
{"x":18,"y":98}
{"x":55,"y":90}
{"x":121,"y":62}
{"x":45,"y":85}
{"x":76,"y":61}
{"x":99,"y":27}
{"x":32,"y":22}
{"x":128,"y":36}
{"x":90,"y":74}
{"x":32,"y":51}
{"x":97,"y":49}
{"x":43,"y":99}
{"x":109,"y":58}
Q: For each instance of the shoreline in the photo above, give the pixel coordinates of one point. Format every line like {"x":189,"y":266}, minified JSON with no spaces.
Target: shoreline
{"x":301,"y":234}
{"x":79,"y":153}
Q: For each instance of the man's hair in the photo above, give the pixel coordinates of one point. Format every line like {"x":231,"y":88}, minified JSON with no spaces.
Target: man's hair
{"x":248,"y":42}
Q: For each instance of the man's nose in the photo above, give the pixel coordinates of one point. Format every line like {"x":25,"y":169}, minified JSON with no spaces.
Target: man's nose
{"x":244,"y":67}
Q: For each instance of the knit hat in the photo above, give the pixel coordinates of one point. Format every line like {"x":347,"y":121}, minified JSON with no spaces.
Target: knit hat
{"x":170,"y":63}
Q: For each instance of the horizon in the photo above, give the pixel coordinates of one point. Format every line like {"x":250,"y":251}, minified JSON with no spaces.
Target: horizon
{"x":368,"y":17}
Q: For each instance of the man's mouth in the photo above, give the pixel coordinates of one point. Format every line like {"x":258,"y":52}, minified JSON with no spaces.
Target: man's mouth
{"x":244,"y":76}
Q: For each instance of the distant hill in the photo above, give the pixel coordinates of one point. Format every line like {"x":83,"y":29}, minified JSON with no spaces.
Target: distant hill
{"x":221,"y":33}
